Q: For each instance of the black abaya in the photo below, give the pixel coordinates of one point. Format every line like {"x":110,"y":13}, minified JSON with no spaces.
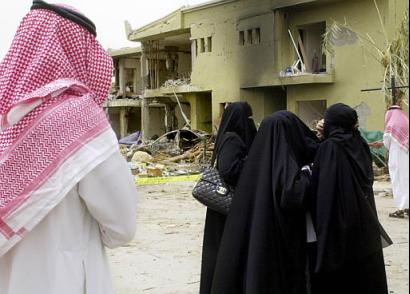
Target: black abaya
{"x":234,"y":139}
{"x":263,"y":250}
{"x":349,"y":257}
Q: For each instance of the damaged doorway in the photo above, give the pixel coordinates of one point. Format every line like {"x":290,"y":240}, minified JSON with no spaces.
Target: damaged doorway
{"x":310,"y":46}
{"x":201,"y":110}
{"x":124,"y":120}
{"x":114,"y":119}
{"x":134,"y":120}
{"x":165,"y":115}
{"x":310,"y":112}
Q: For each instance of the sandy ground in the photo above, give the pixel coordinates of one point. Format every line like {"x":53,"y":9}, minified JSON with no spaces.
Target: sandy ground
{"x":165,"y":256}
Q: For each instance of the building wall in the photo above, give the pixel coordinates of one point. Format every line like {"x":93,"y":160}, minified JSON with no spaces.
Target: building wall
{"x":264,"y":101}
{"x":157,"y":121}
{"x":231,"y":66}
{"x":233,"y":71}
{"x":355,"y":69}
{"x":201,"y":111}
{"x":129,"y":73}
{"x":114,"y":118}
{"x":134,"y":120}
{"x":184,"y":64}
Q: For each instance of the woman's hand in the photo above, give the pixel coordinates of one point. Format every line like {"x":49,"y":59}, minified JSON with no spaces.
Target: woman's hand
{"x":320,"y":128}
{"x":376,"y":145}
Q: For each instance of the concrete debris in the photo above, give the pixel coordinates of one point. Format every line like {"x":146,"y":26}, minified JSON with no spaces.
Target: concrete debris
{"x":381,"y":172}
{"x":127,"y":95}
{"x":141,"y":157}
{"x":156,"y":171}
{"x":176,"y":83}
{"x":123,"y":150}
{"x":182,"y":152}
{"x":196,"y":154}
{"x":173,"y":143}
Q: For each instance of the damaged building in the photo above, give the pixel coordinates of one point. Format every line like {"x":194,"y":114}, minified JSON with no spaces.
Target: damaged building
{"x":125,"y":106}
{"x":197,"y":59}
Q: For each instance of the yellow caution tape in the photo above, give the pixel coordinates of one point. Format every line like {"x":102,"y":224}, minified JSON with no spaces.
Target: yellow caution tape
{"x":166,"y":180}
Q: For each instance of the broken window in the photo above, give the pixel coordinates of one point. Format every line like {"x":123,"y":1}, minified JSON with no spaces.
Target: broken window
{"x":208,"y":44}
{"x":310,"y":46}
{"x":253,"y":36}
{"x":202,"y":45}
{"x":194,"y":48}
{"x":257,"y":36}
{"x":249,"y":39}
{"x":242,"y":38}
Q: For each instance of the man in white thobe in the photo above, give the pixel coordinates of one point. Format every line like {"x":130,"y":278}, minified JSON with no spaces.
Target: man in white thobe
{"x":65,"y":254}
{"x":66,"y":193}
{"x":396,"y":140}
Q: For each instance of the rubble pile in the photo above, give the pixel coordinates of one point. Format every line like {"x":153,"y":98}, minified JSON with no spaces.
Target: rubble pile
{"x":174,"y":154}
{"x":381,"y":174}
{"x":199,"y":154}
{"x":142,"y":157}
{"x":176,"y":83}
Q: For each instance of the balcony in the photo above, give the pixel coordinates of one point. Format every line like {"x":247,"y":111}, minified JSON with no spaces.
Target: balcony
{"x":123,"y":103}
{"x":307,"y":78}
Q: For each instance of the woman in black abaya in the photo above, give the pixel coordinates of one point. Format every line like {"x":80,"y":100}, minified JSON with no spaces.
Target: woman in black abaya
{"x":234,"y":139}
{"x":348,"y":257}
{"x":263,"y":250}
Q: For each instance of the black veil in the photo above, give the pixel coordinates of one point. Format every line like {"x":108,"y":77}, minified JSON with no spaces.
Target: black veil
{"x":236,"y":119}
{"x":263,"y":247}
{"x":344,"y":208}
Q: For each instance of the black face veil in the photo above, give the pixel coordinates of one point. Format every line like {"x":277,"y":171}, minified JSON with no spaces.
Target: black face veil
{"x":237,"y":119}
{"x":263,"y":248}
{"x":344,"y":207}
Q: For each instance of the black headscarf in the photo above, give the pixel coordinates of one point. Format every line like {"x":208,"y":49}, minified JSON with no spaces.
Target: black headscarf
{"x":236,"y":119}
{"x":263,"y":247}
{"x":341,"y":125}
{"x":344,"y":207}
{"x":340,"y":117}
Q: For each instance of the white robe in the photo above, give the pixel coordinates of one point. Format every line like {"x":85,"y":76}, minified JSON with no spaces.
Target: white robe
{"x":65,"y":253}
{"x":399,"y":171}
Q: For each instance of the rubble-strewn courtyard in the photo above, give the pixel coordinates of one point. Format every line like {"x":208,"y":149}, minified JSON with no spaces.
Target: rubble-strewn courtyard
{"x":165,"y":256}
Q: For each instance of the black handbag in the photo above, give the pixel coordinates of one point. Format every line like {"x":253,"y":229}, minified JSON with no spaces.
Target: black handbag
{"x":213,"y":192}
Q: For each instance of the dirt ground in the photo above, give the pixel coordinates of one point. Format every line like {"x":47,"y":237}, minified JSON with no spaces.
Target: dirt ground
{"x":165,"y":256}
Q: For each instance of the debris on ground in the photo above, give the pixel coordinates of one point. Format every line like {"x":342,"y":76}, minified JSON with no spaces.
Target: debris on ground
{"x":382,"y":172}
{"x":133,"y":139}
{"x":142,"y":157}
{"x":170,"y":235}
{"x":177,"y":153}
{"x":123,"y":150}
{"x":155,"y":171}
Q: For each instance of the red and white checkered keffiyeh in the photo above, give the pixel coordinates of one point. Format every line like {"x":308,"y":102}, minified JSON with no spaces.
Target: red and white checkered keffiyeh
{"x":53,"y":82}
{"x":397,"y":125}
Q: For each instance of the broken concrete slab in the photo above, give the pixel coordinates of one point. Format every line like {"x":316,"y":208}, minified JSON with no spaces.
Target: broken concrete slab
{"x":142,"y":157}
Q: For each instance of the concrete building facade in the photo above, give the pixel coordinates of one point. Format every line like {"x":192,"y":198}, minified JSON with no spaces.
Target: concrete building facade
{"x":206,"y":56}
{"x":126,"y":102}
